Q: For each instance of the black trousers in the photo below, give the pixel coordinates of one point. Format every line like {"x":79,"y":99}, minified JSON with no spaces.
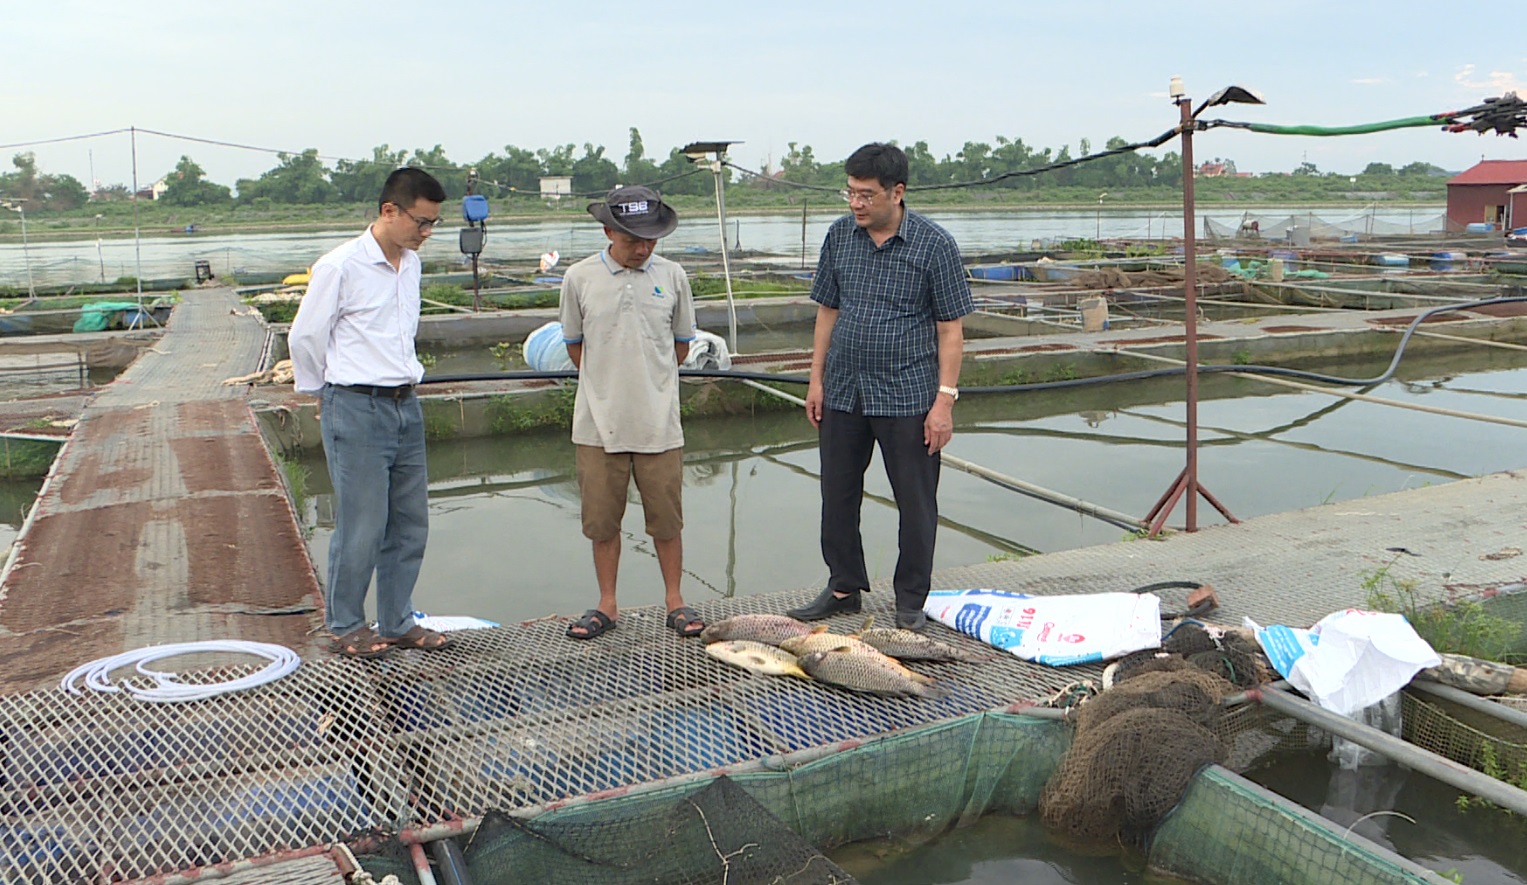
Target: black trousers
{"x":847,"y":441}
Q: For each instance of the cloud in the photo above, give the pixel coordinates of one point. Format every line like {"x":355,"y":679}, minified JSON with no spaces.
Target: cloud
{"x":1496,"y":81}
{"x":1370,"y":81}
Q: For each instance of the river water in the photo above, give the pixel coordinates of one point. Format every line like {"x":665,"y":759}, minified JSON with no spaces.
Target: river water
{"x":162,"y":255}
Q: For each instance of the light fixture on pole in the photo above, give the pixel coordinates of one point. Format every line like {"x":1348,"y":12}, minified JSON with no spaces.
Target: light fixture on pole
{"x":26,"y":252}
{"x":713,"y":155}
{"x":1186,"y":483}
{"x":1097,"y":235}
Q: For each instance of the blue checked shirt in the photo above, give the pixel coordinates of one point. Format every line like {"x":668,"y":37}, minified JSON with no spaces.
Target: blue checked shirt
{"x":883,"y":359}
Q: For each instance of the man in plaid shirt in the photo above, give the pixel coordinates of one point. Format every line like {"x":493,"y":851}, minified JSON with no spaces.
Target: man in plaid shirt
{"x":885,"y":370}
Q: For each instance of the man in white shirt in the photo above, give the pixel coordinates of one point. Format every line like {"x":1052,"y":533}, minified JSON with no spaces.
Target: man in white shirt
{"x":628,"y":319}
{"x":352,"y":344}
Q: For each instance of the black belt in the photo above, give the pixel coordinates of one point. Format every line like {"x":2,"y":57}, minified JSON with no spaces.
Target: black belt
{"x":402,"y":391}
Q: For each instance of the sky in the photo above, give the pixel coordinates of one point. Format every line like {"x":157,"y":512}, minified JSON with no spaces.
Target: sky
{"x":475,"y":76}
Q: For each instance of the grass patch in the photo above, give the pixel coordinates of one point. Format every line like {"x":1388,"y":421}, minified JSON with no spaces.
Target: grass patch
{"x":704,"y":285}
{"x":1460,"y":628}
{"x":296,"y":480}
{"x":26,"y":458}
{"x":515,"y":414}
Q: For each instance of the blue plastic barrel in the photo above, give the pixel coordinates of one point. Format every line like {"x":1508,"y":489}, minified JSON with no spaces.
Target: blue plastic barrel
{"x":1391,"y":259}
{"x":1006,"y":272}
{"x":1478,"y":227}
{"x":1444,"y":260}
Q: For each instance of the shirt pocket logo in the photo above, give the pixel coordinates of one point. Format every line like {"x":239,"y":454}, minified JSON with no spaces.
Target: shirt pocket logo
{"x":657,"y":292}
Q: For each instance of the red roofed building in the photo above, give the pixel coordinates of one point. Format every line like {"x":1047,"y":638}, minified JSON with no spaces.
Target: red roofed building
{"x":1482,"y":194}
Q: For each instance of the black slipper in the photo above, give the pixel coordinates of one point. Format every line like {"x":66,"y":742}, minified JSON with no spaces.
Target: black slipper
{"x":594,"y":622}
{"x":682,"y":621}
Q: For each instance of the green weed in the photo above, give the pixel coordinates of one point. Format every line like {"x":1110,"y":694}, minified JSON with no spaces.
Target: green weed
{"x":296,"y":480}
{"x":1009,"y":556}
{"x":1061,"y":372}
{"x":439,"y":427}
{"x":514,"y":414}
{"x":1460,"y":627}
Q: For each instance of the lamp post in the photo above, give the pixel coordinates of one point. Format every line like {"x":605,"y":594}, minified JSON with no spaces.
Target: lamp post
{"x":26,"y":252}
{"x":697,"y":152}
{"x":1097,"y":235}
{"x":1186,"y":483}
{"x":101,"y":259}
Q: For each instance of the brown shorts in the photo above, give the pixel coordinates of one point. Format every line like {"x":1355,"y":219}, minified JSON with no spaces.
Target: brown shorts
{"x":604,"y":477}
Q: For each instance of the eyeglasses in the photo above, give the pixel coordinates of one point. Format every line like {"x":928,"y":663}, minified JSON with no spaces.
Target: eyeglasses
{"x":865,"y":197}
{"x":425,"y":224}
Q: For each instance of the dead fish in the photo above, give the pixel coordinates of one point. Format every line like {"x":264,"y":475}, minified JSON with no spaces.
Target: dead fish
{"x":821,"y":640}
{"x":768,"y":629}
{"x":756,"y":657}
{"x":861,"y":672}
{"x":906,"y":645}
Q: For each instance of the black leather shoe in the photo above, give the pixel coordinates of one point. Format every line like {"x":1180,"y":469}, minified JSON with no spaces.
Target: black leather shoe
{"x":914,"y":621}
{"x":825,"y":606}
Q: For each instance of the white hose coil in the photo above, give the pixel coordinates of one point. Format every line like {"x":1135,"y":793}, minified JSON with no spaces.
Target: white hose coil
{"x":96,"y":675}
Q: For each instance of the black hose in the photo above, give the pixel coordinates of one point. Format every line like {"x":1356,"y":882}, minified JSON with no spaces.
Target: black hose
{"x":534,"y":374}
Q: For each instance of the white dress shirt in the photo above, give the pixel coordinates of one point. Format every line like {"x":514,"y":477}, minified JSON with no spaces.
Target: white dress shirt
{"x":358,"y":319}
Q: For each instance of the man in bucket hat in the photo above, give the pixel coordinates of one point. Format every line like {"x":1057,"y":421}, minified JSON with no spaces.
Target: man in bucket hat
{"x":628,"y":319}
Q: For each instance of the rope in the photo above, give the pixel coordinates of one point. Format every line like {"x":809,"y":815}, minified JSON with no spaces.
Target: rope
{"x":167,"y":687}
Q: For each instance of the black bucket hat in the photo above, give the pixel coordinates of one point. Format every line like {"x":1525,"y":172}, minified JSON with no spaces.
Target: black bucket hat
{"x":636,"y":210}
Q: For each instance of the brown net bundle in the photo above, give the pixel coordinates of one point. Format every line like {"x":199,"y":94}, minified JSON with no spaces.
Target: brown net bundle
{"x":1137,"y":746}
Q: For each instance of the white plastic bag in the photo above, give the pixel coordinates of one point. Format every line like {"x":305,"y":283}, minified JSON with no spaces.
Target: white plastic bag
{"x":1350,"y":659}
{"x":708,"y":351}
{"x":545,"y":351}
{"x":1054,"y":630}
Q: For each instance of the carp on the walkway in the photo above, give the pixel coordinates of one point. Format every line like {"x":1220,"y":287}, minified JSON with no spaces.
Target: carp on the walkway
{"x":756,"y":657}
{"x":768,"y":629}
{"x":872,"y":674}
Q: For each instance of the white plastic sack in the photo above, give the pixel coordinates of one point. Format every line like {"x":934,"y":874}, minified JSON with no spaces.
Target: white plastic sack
{"x":1350,"y":659}
{"x":545,"y":351}
{"x":708,"y":351}
{"x":1054,"y":630}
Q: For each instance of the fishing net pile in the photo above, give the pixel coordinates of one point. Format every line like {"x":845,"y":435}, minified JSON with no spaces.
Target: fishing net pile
{"x":1140,"y":741}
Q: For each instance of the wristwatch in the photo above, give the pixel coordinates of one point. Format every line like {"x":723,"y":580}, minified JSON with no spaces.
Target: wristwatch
{"x":952,"y":391}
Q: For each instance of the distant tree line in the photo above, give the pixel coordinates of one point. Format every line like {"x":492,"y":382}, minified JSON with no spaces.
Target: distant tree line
{"x":304,"y":179}
{"x":30,"y":190}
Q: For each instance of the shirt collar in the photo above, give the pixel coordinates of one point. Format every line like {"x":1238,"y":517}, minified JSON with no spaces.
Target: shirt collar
{"x":372,"y":248}
{"x":615,"y":267}
{"x":904,"y":230}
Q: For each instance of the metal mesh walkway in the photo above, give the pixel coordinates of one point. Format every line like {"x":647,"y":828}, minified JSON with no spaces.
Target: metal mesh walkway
{"x":508,"y":718}
{"x":164,"y":518}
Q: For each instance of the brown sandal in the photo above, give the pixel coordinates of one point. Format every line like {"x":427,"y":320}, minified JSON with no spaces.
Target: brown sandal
{"x":362,"y":642}
{"x":419,"y":636}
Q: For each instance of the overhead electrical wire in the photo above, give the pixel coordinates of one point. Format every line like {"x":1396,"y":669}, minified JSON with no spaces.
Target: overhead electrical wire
{"x":1159,"y":140}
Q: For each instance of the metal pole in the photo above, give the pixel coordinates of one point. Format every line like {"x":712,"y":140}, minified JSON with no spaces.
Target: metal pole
{"x":726,"y":265}
{"x":26,"y":253}
{"x":1430,"y":764}
{"x":137,"y":233}
{"x":99,"y":257}
{"x":803,"y":235}
{"x":1190,"y":294}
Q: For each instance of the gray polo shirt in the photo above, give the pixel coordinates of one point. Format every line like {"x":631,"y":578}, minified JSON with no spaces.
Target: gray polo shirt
{"x":627,"y":321}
